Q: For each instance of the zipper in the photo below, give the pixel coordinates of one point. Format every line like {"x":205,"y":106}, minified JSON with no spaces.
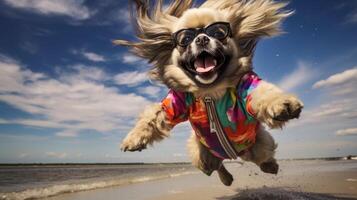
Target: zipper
{"x":215,"y":127}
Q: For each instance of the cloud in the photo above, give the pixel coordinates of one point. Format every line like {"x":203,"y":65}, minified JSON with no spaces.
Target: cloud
{"x":93,"y":57}
{"x":179,"y":155}
{"x":89,"y":55}
{"x":123,"y":16}
{"x":29,"y":47}
{"x":77,"y":100}
{"x":132,"y":78}
{"x":23,"y":137}
{"x":335,"y":112}
{"x":338,"y":105}
{"x":352,"y":17}
{"x":67,"y":133}
{"x":347,"y":132}
{"x":90,"y":73}
{"x":24,"y":155}
{"x":349,"y":8}
{"x":302,"y":74}
{"x":135,"y":61}
{"x":152,"y":91}
{"x":131,"y":59}
{"x":71,"y":8}
{"x":56,"y":155}
{"x":337,"y":79}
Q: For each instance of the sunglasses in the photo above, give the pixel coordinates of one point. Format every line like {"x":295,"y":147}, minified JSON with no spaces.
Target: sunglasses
{"x":218,"y":30}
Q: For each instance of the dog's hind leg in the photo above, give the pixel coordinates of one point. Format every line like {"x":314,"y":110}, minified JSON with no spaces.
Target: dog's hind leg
{"x":225,"y":176}
{"x":262,"y":152}
{"x":204,"y":160}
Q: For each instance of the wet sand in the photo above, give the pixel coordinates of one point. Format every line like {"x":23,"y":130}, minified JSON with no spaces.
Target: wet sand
{"x":314,"y":179}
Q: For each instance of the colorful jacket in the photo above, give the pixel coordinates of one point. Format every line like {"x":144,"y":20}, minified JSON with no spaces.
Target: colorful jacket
{"x":233,"y":110}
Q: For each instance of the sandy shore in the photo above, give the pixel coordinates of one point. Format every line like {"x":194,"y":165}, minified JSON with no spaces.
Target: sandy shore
{"x":296,"y":180}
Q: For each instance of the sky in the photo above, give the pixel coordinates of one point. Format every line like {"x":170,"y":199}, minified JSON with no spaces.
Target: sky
{"x":68,"y":95}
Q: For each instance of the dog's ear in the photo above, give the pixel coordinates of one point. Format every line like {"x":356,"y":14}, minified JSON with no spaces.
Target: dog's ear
{"x":260,"y":18}
{"x":257,"y":19}
{"x":251,"y":19}
{"x":153,"y":30}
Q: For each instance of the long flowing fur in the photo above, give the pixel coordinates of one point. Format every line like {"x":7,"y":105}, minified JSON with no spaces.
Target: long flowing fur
{"x":153,"y":28}
{"x":250,"y":21}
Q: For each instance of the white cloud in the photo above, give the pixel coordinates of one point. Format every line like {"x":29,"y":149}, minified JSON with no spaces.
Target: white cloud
{"x":93,"y":56}
{"x":353,"y":17}
{"x":56,"y":155}
{"x":89,"y":55}
{"x":338,"y":105}
{"x":345,"y":132}
{"x":29,"y":47}
{"x":74,"y":102}
{"x":132,"y":78}
{"x":24,"y":137}
{"x":179,"y":155}
{"x":67,"y":133}
{"x":113,"y":13}
{"x":23,"y":155}
{"x":91,"y":73}
{"x":123,"y":15}
{"x":71,"y":8}
{"x":298,"y":77}
{"x":335,"y":112}
{"x":338,"y":79}
{"x":131,"y":59}
{"x":152,"y":91}
{"x":351,"y":12}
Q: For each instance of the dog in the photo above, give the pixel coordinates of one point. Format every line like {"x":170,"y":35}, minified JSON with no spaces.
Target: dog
{"x":204,"y":56}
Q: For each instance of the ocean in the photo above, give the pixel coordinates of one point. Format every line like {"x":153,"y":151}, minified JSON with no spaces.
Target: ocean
{"x":20,"y":182}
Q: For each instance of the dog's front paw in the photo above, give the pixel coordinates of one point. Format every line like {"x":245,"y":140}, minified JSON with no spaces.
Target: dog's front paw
{"x":134,"y":142}
{"x":284,"y":108}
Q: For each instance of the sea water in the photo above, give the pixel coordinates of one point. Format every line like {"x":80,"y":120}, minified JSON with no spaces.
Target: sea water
{"x":19,"y":182}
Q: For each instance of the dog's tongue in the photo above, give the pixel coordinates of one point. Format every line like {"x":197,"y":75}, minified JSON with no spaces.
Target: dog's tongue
{"x":205,"y":64}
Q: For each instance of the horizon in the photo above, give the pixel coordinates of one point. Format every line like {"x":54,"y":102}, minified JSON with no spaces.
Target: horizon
{"x":164,"y":163}
{"x":68,"y":95}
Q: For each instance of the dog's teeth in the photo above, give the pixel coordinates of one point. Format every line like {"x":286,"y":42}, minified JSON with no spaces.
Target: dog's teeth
{"x":215,"y":62}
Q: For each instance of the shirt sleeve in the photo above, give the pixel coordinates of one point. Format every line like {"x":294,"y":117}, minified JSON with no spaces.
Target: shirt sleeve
{"x":247,"y":85}
{"x":175,"y":107}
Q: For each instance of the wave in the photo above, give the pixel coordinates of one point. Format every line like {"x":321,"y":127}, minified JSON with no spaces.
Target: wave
{"x":49,"y":191}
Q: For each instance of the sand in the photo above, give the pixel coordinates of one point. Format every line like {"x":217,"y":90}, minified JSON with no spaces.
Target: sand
{"x":314,"y":179}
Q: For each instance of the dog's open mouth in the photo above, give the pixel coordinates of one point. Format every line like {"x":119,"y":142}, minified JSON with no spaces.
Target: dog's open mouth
{"x":205,"y":64}
{"x":206,"y":67}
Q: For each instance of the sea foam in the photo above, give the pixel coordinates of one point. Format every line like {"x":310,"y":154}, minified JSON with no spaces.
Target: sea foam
{"x":49,"y":191}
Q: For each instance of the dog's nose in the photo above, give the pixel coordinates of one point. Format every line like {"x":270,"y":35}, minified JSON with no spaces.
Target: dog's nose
{"x":202,"y":40}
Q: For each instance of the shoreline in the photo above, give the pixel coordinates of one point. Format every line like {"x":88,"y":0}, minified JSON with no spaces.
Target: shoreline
{"x":354,"y":157}
{"x":314,"y":179}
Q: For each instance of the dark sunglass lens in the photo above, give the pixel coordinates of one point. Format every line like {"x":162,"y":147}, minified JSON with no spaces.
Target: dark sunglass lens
{"x":218,"y":31}
{"x":185,"y":37}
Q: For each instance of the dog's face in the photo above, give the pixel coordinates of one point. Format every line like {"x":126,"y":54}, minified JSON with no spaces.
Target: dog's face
{"x":204,"y":46}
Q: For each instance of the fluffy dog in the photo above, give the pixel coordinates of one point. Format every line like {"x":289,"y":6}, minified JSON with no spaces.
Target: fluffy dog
{"x":204,"y":56}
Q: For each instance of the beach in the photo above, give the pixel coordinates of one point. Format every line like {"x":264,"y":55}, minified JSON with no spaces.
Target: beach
{"x":302,"y":179}
{"x":297,"y":179}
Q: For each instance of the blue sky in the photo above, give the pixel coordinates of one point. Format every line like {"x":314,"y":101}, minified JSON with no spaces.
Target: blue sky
{"x":68,"y":95}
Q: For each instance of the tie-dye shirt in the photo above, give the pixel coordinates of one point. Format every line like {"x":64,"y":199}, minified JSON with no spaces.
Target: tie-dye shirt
{"x":233,"y":110}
